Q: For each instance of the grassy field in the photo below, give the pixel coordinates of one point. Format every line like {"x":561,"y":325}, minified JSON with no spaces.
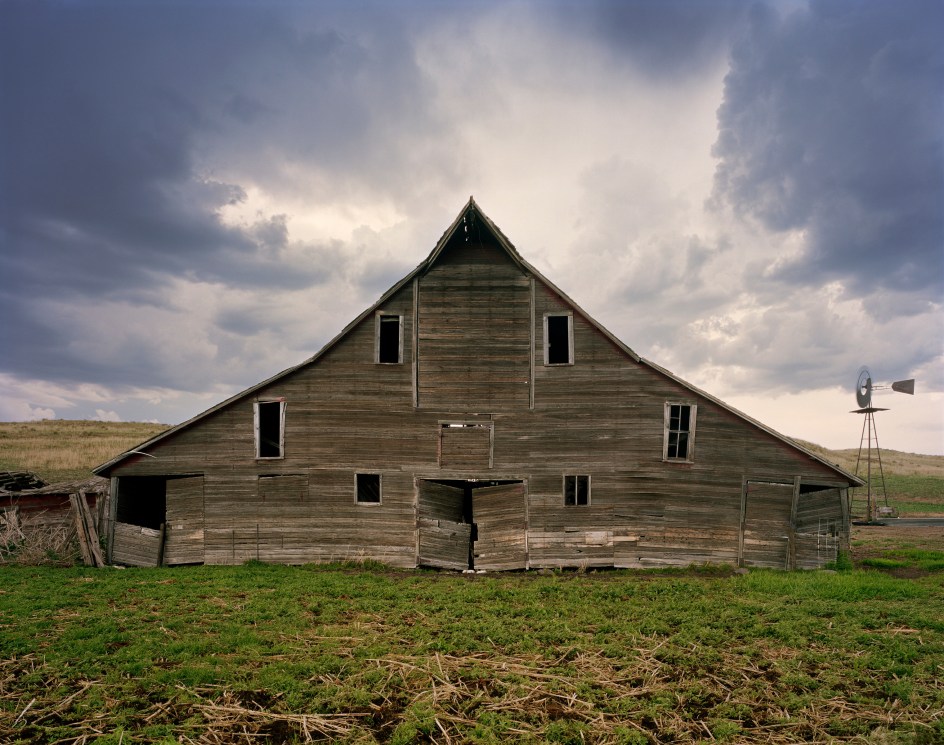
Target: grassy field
{"x":273,"y":654}
{"x":63,"y":450}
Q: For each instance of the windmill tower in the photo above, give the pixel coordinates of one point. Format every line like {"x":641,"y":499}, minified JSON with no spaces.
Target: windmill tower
{"x":876,"y":478}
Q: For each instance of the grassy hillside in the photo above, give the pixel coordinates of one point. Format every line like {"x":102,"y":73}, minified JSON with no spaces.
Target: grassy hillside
{"x":914,"y":483}
{"x":59,"y":450}
{"x":62,"y":450}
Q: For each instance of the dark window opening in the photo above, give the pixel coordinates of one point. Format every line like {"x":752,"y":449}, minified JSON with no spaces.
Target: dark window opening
{"x":269,"y":436}
{"x":388,"y":343}
{"x":809,"y":488}
{"x":141,"y":501}
{"x":368,"y":488}
{"x":576,"y":490}
{"x":679,"y":432}
{"x":558,"y":340}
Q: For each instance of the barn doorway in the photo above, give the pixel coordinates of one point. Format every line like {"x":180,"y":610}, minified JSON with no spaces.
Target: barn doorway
{"x":158,"y":520}
{"x":472,"y":524}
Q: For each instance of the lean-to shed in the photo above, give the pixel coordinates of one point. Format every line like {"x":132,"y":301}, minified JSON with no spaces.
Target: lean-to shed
{"x":476,"y":417}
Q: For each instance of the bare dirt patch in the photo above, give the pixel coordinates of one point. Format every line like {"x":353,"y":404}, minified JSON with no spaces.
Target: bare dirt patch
{"x":871,"y":541}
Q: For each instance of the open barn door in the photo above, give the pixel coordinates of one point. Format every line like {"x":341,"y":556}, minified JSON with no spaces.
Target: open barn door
{"x":445,"y":536}
{"x":500,"y":519}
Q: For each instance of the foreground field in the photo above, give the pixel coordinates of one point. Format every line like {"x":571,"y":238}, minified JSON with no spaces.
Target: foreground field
{"x":274,"y":654}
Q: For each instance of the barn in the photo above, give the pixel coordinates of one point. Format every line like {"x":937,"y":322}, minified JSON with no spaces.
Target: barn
{"x":475,"y":418}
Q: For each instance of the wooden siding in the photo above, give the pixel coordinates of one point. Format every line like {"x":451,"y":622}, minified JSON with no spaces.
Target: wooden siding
{"x":474,"y":317}
{"x":444,"y":539}
{"x":500,"y":515}
{"x":185,"y":522}
{"x":135,"y":546}
{"x":821,"y":530}
{"x":766,"y":525}
{"x":465,"y":446}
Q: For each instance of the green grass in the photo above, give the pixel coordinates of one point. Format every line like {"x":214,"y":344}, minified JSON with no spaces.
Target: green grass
{"x":898,"y":558}
{"x":263,"y":653}
{"x":914,"y":486}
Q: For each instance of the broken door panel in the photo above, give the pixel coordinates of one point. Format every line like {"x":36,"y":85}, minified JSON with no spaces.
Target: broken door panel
{"x":500,"y":519}
{"x":444,"y":538}
{"x":136,"y":546}
{"x":444,"y":544}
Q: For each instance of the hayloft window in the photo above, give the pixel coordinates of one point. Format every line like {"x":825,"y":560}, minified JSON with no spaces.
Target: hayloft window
{"x":576,"y":491}
{"x":270,"y":428}
{"x":558,"y":339}
{"x":389,"y":339}
{"x":679,"y":432}
{"x":368,"y":488}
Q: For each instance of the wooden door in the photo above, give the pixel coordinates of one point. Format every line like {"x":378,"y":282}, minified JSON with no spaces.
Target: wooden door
{"x":183,"y":542}
{"x":444,"y":538}
{"x":500,"y":518}
{"x":765,"y":524}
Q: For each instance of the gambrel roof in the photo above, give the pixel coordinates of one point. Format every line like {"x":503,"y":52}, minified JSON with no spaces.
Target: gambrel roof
{"x":470,"y":219}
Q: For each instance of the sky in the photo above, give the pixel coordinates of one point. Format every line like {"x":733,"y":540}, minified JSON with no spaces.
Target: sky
{"x":197,"y":195}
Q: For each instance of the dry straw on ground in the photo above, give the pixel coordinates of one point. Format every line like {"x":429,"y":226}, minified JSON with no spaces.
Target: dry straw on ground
{"x":442,"y":698}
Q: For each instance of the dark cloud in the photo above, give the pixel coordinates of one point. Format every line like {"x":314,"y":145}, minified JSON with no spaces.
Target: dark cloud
{"x":114,"y":118}
{"x":663,"y":39}
{"x":831,"y":124}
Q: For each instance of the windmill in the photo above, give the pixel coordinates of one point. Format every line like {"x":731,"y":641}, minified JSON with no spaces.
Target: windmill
{"x":864,"y":388}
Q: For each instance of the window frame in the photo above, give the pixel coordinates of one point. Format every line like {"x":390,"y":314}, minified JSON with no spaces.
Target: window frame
{"x":576,"y":482}
{"x":257,"y":430}
{"x":570,"y":338}
{"x":668,"y":431}
{"x":357,"y":489}
{"x":379,"y":316}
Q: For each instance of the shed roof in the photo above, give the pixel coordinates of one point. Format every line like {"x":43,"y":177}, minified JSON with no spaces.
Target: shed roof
{"x":469,"y":218}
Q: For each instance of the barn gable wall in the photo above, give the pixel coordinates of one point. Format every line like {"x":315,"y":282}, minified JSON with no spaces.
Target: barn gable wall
{"x":473,"y":357}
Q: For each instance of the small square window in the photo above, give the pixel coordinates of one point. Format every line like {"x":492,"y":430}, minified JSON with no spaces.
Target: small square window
{"x":389,"y":339}
{"x":558,"y":339}
{"x":368,"y":488}
{"x":576,"y":490}
{"x":679,"y":432}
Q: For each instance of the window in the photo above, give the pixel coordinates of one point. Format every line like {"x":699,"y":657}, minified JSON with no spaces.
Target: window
{"x":389,"y":339}
{"x":270,"y":428}
{"x":558,"y":339}
{"x":576,"y":490}
{"x":679,"y":441}
{"x":368,"y":488}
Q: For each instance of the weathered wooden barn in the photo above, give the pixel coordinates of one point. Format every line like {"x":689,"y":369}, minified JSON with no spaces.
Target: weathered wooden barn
{"x":476,"y":417}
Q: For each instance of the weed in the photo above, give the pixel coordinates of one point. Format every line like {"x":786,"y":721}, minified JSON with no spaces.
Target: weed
{"x":842,"y":563}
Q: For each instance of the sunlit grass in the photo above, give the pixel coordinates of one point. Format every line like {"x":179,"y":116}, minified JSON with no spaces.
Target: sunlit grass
{"x":61,"y":450}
